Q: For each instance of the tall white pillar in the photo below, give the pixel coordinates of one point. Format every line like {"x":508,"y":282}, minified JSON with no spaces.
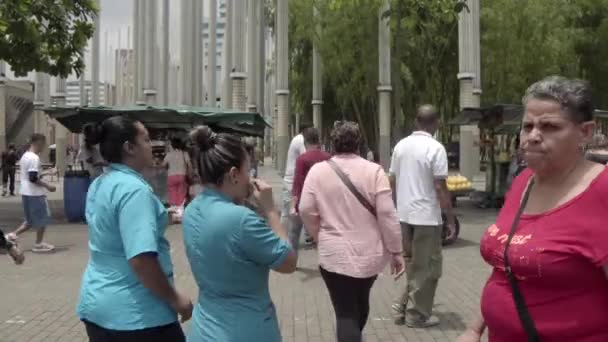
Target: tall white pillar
{"x":136,"y":50}
{"x":261,"y":47}
{"x":84,"y":101}
{"x":95,"y":61}
{"x":140,"y":43}
{"x":384,"y":87}
{"x":252,"y":56}
{"x":61,"y":133}
{"x":238,"y":74}
{"x":282,"y":124}
{"x":164,"y":84}
{"x":41,"y":100}
{"x":468,"y":27}
{"x":150,"y":53}
{"x":227,"y":58}
{"x":2,"y":70}
{"x":187,"y":51}
{"x":212,"y":55}
{"x":317,"y":81}
{"x":197,"y":20}
{"x":475,"y":34}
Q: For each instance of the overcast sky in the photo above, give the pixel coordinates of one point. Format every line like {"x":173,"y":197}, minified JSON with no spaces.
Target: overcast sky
{"x":117,"y":16}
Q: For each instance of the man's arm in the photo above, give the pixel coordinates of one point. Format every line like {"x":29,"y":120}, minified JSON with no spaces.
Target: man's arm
{"x":440,"y":173}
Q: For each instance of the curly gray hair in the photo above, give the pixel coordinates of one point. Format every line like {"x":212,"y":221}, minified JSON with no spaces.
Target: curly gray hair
{"x":574,"y":95}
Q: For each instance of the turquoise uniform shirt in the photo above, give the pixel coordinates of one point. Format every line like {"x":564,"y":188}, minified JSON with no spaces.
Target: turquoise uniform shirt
{"x":125,"y":219}
{"x":231,"y":251}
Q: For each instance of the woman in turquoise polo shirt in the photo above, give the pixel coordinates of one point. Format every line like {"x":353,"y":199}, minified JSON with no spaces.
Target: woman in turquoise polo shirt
{"x":231,"y":248}
{"x":127,"y":291}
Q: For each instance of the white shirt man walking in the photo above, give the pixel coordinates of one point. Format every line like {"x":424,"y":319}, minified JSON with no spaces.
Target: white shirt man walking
{"x":33,"y":193}
{"x":419,"y":168}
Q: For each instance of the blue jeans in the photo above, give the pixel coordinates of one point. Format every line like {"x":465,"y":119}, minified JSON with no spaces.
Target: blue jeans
{"x":292,"y":223}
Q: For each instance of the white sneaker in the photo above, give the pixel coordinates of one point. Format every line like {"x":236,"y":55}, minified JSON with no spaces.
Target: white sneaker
{"x":12,"y":237}
{"x":43,"y":247}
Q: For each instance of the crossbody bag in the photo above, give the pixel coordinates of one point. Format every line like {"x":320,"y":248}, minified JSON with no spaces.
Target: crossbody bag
{"x":520,"y":304}
{"x":352,"y":187}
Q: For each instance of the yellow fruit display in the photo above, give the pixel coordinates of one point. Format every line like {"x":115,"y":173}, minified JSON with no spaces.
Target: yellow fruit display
{"x":458,"y":183}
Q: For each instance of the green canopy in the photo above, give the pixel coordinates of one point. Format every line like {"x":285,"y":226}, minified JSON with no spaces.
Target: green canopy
{"x":163,"y":117}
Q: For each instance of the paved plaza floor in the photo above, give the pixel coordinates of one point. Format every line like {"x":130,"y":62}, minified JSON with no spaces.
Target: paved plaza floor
{"x":38,"y":299}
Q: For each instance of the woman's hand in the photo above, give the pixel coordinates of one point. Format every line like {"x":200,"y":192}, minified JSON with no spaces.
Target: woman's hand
{"x":262,"y":192}
{"x":183,"y":306}
{"x":469,"y":335}
{"x":397,"y":265}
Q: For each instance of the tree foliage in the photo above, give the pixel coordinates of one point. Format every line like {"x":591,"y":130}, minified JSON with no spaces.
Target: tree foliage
{"x":521,"y":42}
{"x":45,"y":35}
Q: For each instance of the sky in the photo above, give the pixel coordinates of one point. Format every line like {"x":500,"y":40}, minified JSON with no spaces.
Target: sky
{"x":116,"y":19}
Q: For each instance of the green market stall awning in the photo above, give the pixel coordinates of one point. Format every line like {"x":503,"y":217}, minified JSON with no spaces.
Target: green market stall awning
{"x":163,"y":117}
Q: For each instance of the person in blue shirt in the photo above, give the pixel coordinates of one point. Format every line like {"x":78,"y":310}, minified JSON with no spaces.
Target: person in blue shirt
{"x":231,"y":248}
{"x":127,"y":291}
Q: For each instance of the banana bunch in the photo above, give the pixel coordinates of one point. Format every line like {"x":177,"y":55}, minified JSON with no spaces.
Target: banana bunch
{"x":457,"y":183}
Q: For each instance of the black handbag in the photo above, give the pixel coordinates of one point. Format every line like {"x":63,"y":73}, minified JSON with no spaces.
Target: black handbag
{"x":520,"y":304}
{"x":352,"y":187}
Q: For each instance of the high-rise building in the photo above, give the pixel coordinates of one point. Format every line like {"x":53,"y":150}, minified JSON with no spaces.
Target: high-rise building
{"x":220,"y":31}
{"x":123,"y":76}
{"x":73,"y":93}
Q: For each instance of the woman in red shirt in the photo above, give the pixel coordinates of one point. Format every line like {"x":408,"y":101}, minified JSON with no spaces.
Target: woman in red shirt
{"x":558,"y":252}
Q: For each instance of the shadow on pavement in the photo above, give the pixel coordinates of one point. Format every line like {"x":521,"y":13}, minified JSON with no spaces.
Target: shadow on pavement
{"x":461,"y":243}
{"x":309,"y":273}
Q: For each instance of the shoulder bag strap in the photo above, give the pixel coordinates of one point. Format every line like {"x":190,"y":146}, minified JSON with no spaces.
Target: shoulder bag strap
{"x":352,"y":187}
{"x":518,"y":297}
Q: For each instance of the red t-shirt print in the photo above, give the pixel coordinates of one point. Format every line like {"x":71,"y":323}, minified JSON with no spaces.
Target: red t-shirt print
{"x":557,"y":258}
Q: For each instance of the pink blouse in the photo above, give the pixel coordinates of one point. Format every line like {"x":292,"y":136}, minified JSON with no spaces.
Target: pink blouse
{"x":351,"y":241}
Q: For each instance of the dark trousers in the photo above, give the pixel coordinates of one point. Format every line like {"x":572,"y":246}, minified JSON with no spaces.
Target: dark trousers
{"x":166,"y":333}
{"x":8,"y":177}
{"x":350,"y":298}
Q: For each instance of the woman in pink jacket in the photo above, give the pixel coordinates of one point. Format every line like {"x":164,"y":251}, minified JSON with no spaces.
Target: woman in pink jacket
{"x":346,"y":205}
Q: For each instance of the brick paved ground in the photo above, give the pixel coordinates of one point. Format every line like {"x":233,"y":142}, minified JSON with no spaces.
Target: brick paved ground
{"x":38,"y":299}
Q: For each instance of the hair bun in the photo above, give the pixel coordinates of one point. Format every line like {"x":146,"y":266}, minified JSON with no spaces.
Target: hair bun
{"x":204,"y":138}
{"x":93,"y":132}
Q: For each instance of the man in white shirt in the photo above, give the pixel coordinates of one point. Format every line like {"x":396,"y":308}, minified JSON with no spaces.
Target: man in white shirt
{"x":33,"y":191}
{"x":288,"y":214}
{"x":419,"y":168}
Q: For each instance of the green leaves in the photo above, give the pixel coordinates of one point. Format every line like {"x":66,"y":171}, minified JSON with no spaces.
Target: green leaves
{"x":46,"y":36}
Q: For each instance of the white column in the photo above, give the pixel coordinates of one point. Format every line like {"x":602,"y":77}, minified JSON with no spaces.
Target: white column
{"x":212,"y":54}
{"x":140,"y":42}
{"x":227,"y":58}
{"x":164,"y":84}
{"x":282,"y":124}
{"x":238,"y":74}
{"x":468,"y":59}
{"x":187,"y":50}
{"x":384,"y":87}
{"x":41,"y":99}
{"x":2,"y":70}
{"x":252,"y":56}
{"x":95,"y":61}
{"x":136,"y":50}
{"x":150,"y":53}
{"x":61,"y":133}
{"x":317,"y":81}
{"x":198,"y":53}
{"x":261,"y":67}
{"x":84,"y":101}
{"x":474,"y":4}
{"x":3,"y":99}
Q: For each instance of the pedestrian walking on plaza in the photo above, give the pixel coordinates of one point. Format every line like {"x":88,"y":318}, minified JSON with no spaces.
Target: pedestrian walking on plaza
{"x":177,"y":161}
{"x":89,"y":156}
{"x":419,"y":169}
{"x":296,"y":149}
{"x":9,"y":166}
{"x":304,"y":163}
{"x":127,"y":291}
{"x":231,"y":249}
{"x":33,"y":194}
{"x":549,"y":245}
{"x":346,"y":206}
